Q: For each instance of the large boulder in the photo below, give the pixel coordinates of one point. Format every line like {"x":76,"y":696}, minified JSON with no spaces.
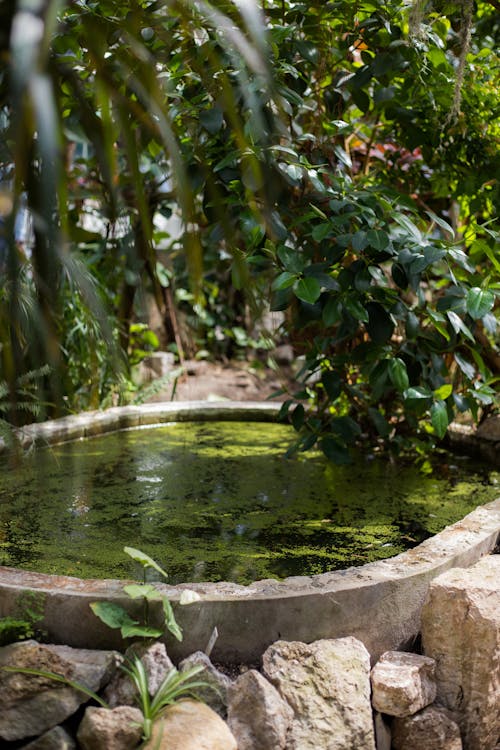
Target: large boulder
{"x":327,"y":684}
{"x":29,"y":705}
{"x":461,"y":631}
{"x":121,"y":691}
{"x":403,"y":683}
{"x":56,"y":738}
{"x":110,"y":728}
{"x":430,"y":729}
{"x":217,"y":683}
{"x":190,"y":725}
{"x":258,"y":716}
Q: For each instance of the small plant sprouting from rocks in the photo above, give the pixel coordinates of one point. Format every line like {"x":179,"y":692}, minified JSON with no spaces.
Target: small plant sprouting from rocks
{"x":174,"y":686}
{"x":115,"y":616}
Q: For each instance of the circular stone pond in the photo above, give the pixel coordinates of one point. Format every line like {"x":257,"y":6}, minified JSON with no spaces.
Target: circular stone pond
{"x":215,"y":501}
{"x":216,"y":518}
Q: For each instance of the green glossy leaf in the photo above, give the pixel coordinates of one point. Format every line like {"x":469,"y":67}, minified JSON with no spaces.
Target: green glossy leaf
{"x":356,"y":309}
{"x":170,"y":622}
{"x":466,"y":367}
{"x":458,"y":325}
{"x":443,"y":392}
{"x":145,"y":590}
{"x":212,"y":119}
{"x":439,"y":418}
{"x":332,"y":384}
{"x":307,"y":289}
{"x":332,"y":311}
{"x":335,"y":451}
{"x":398,"y":374}
{"x":381,"y":424}
{"x":284,"y":280}
{"x":417,"y":393}
{"x":112,"y":615}
{"x":298,"y":417}
{"x":479,"y":302}
{"x":144,"y":560}
{"x":140,"y":631}
{"x":321,"y":231}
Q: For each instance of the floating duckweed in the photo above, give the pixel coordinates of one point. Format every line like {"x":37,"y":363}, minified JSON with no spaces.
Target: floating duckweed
{"x":219,"y":501}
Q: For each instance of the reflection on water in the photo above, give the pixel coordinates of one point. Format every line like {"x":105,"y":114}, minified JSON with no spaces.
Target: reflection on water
{"x":214,"y":501}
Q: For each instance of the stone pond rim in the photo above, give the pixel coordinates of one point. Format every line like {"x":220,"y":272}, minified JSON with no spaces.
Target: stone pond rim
{"x":379,"y":603}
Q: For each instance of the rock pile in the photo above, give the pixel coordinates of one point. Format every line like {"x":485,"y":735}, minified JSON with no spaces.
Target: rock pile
{"x":317,"y":695}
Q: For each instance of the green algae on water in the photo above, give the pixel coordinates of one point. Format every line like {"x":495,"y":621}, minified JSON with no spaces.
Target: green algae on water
{"x":219,"y":501}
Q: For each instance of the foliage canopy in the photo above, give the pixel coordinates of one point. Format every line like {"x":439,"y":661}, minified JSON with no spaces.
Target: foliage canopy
{"x":318,"y":155}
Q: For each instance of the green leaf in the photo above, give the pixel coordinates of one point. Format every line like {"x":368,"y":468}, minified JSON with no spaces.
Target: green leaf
{"x":284,"y":280}
{"x":381,"y":424}
{"x":212,"y":119}
{"x":439,"y":418}
{"x":479,"y":302}
{"x":332,"y":384}
{"x":170,"y":622}
{"x":298,"y":416}
{"x":417,"y":393}
{"x":332,"y":311}
{"x":335,"y":451}
{"x":140,"y":631}
{"x":321,"y":231}
{"x":443,"y":392}
{"x":307,"y":289}
{"x":112,"y":615}
{"x":398,"y":374}
{"x":466,"y":367}
{"x":145,"y":590}
{"x":356,"y":309}
{"x":458,"y":325}
{"x":378,"y":239}
{"x":144,"y":560}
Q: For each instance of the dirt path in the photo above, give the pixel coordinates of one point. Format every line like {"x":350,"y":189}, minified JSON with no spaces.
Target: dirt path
{"x":236,"y":381}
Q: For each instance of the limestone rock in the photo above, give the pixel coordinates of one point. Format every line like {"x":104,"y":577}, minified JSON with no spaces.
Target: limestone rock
{"x":430,"y":729}
{"x":403,"y":683}
{"x":54,"y":739}
{"x":190,"y":725}
{"x":461,"y":631}
{"x":122,"y":692}
{"x":327,"y":684}
{"x":258,"y":716}
{"x":110,"y":729}
{"x":215,"y":695}
{"x":30,"y":705}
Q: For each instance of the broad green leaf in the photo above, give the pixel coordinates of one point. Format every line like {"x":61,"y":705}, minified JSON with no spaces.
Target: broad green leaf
{"x":335,"y":451}
{"x":307,"y":289}
{"x":381,"y":424}
{"x":140,"y":631}
{"x":170,"y":621}
{"x":441,"y":222}
{"x":332,"y":311}
{"x":458,"y":325}
{"x":479,"y":302}
{"x":332,"y":384}
{"x":291,"y":259}
{"x":443,"y":392}
{"x":398,"y":374}
{"x":356,"y":309}
{"x":144,"y":560}
{"x":359,"y":241}
{"x":298,"y":416}
{"x":212,"y":119}
{"x":112,"y":615}
{"x":406,"y":223}
{"x":417,"y":392}
{"x":439,"y":418}
{"x":321,"y":231}
{"x":378,"y":239}
{"x":146,"y":590}
{"x":346,"y":428}
{"x":467,"y":368}
{"x":284,"y":280}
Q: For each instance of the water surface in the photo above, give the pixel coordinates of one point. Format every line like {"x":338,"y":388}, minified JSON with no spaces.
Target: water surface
{"x":219,"y":501}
